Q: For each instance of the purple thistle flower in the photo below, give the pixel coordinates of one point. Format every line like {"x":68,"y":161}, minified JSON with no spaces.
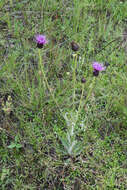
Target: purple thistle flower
{"x":40,"y":40}
{"x":97,"y":68}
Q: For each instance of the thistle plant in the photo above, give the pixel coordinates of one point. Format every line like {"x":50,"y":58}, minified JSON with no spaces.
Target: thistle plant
{"x":71,"y":145}
{"x":68,"y":138}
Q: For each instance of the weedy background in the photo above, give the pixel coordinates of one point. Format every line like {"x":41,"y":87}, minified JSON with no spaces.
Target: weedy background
{"x":31,"y":154}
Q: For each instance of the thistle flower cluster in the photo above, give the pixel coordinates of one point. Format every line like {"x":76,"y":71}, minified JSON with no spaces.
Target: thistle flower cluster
{"x":97,"y":67}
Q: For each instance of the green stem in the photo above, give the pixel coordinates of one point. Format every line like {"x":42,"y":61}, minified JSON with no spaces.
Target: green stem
{"x":81,"y":104}
{"x":74,"y":77}
{"x":45,"y":80}
{"x":11,"y":3}
{"x":90,"y":91}
{"x":8,"y":21}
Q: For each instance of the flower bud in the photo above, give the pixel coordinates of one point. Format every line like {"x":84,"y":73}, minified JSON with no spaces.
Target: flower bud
{"x":74,"y":46}
{"x":83,"y":80}
{"x":95,"y":73}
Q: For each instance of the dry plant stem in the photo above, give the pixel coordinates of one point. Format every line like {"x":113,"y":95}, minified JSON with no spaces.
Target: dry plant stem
{"x":118,"y":38}
{"x":45,"y":80}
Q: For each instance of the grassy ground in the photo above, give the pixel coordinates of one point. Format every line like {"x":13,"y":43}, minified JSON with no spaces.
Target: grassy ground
{"x":41,"y":91}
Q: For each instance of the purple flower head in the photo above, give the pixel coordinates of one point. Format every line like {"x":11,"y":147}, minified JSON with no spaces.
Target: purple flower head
{"x":98,"y":67}
{"x":40,"y":40}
